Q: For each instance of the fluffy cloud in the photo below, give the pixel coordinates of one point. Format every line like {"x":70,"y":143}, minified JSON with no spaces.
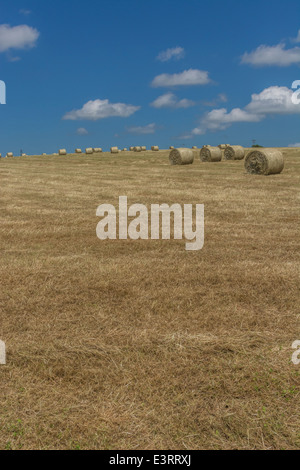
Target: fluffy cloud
{"x":221,"y":98}
{"x":271,"y":101}
{"x":295,"y":145}
{"x":17,"y":37}
{"x":24,"y":12}
{"x":169,"y":100}
{"x":188,"y":77}
{"x":100,"y":109}
{"x":139,"y":130}
{"x":272,"y":55}
{"x":82,"y":131}
{"x":174,"y":53}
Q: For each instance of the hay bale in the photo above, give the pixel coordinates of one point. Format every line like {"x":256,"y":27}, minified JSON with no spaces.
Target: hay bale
{"x":211,"y":154}
{"x":9,"y":155}
{"x":89,"y":151}
{"x":124,"y":150}
{"x":131,"y":149}
{"x":114,"y":150}
{"x":222,"y":146}
{"x":97,"y":150}
{"x":23,"y":155}
{"x":181,"y":156}
{"x":78,"y":151}
{"x":144,"y":148}
{"x":155,"y":148}
{"x":62,"y":152}
{"x":44,"y":154}
{"x":194,"y":147}
{"x":171,"y":147}
{"x":137,"y":149}
{"x":264,"y":162}
{"x":234,"y":152}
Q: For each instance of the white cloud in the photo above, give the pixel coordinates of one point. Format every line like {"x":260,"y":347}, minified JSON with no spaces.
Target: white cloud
{"x":295,"y":145}
{"x":17,"y":37}
{"x":82,"y":131}
{"x":271,"y":101}
{"x":169,"y":100}
{"x":100,"y":109}
{"x":188,"y":77}
{"x":149,"y":129}
{"x":272,"y":55}
{"x":173,"y":53}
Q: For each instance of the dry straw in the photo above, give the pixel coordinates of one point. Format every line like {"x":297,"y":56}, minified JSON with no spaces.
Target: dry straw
{"x":125,"y":150}
{"x":234,"y":152}
{"x":89,"y":151}
{"x":143,"y":148}
{"x":114,"y":150}
{"x":181,"y":156}
{"x":9,"y":155}
{"x":211,"y":154}
{"x":137,"y":149}
{"x":97,"y":150}
{"x":131,"y":149}
{"x":194,"y":147}
{"x":78,"y":151}
{"x":222,"y":146}
{"x":155,"y":148}
{"x":171,"y":147}
{"x":62,"y":152}
{"x":264,"y":162}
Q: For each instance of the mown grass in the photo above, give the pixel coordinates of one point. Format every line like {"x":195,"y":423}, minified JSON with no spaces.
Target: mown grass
{"x":140,"y":344}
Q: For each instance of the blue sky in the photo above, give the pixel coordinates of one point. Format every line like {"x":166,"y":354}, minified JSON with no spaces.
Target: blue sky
{"x":128,"y":72}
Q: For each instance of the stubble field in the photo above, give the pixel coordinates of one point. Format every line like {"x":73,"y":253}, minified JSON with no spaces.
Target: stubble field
{"x":141,"y":344}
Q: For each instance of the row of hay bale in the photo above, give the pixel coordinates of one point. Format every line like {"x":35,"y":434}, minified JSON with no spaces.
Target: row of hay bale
{"x":261,"y":162}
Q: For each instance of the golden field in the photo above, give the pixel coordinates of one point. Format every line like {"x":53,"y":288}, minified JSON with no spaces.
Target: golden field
{"x":141,"y":344}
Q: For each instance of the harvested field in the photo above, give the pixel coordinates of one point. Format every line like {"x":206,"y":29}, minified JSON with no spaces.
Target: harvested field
{"x":140,"y":344}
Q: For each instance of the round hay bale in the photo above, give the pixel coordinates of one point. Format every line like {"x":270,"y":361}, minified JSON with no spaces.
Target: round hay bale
{"x":144,"y":148}
{"x":222,"y":146}
{"x":62,"y":152}
{"x":211,"y":154}
{"x":181,"y":156}
{"x":264,"y":162}
{"x":9,"y":155}
{"x":137,"y":149}
{"x":114,"y":150}
{"x":171,"y":147}
{"x":194,"y":147}
{"x":23,"y":155}
{"x":78,"y":151}
{"x":125,"y":150}
{"x":89,"y":151}
{"x":155,"y":148}
{"x":234,"y":152}
{"x":97,"y":150}
{"x":131,"y":149}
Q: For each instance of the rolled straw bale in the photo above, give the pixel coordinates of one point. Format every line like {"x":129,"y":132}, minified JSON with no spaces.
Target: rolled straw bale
{"x":131,"y":149}
{"x":234,"y":152}
{"x":124,"y":150}
{"x":211,"y":154}
{"x":137,"y":149}
{"x":144,"y":148}
{"x":171,"y":147}
{"x":89,"y":151}
{"x":9,"y":155}
{"x":97,"y":150}
{"x":78,"y":151}
{"x":222,"y":146}
{"x":181,"y":156}
{"x":194,"y":147}
{"x":62,"y":152}
{"x":44,"y":154}
{"x":23,"y":155}
{"x":114,"y":150}
{"x":264,"y":162}
{"x":155,"y":148}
